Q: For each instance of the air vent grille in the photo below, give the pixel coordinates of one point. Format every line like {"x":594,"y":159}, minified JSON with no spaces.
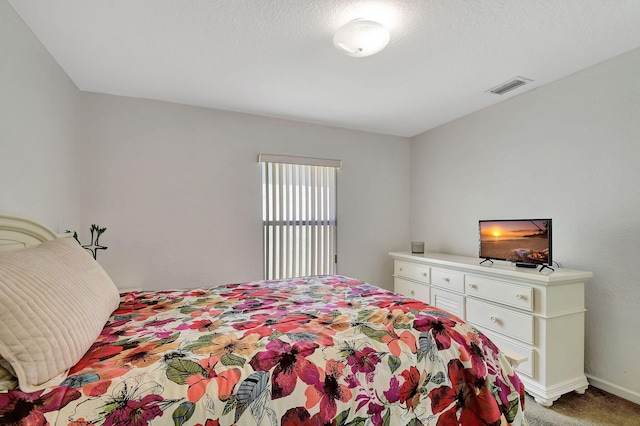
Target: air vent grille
{"x":508,"y":86}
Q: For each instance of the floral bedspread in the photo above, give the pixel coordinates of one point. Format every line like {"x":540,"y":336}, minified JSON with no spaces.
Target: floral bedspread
{"x":326,"y":350}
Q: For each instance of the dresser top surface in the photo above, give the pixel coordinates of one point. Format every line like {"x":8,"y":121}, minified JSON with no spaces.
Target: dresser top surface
{"x":498,"y":268}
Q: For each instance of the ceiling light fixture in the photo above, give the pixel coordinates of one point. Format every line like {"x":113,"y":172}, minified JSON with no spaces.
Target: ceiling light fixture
{"x":360,"y":38}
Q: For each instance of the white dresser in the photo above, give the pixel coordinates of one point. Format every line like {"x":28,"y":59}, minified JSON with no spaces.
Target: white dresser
{"x":537,"y":318}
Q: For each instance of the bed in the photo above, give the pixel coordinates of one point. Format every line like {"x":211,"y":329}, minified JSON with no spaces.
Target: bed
{"x":325,"y":350}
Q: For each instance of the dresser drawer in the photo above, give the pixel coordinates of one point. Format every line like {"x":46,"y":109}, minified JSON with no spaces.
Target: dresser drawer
{"x":450,"y":302}
{"x":447,"y":279}
{"x":498,"y":291}
{"x":525,"y":367}
{"x":510,"y":323}
{"x":412,"y":271}
{"x":411,"y":289}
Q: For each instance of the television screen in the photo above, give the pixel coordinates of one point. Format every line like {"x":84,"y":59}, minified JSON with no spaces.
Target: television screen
{"x":522,"y":241}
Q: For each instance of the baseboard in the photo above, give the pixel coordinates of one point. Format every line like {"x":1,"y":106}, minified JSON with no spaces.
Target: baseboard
{"x":620,"y":391}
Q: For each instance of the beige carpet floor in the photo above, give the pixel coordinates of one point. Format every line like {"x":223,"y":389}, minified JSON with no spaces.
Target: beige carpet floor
{"x":595,"y":408}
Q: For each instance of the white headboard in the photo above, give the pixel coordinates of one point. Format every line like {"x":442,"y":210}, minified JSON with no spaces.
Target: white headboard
{"x":18,"y":232}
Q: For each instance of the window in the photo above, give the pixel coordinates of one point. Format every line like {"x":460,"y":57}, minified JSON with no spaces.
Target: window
{"x":299,"y":216}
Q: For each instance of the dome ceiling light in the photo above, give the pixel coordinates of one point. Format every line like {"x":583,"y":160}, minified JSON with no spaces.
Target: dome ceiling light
{"x":361,"y":37}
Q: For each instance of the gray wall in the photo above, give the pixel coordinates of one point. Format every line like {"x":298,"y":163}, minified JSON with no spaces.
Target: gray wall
{"x":37,"y":129}
{"x":179,"y":189}
{"x":570,"y":151}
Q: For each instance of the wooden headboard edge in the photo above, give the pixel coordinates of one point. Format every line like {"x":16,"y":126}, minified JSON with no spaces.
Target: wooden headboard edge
{"x":13,"y":226}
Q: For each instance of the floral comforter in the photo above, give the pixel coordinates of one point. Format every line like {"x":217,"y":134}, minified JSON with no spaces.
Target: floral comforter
{"x":308,"y":351}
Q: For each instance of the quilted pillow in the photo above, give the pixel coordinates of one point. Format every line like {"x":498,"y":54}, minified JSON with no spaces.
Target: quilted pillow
{"x":54,"y":301}
{"x":7,"y":379}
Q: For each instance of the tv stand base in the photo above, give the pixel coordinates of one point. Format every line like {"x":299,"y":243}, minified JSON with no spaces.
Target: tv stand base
{"x":543,"y":267}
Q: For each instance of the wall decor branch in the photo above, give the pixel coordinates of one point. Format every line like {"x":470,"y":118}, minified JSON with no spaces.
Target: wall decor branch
{"x":96,"y":231}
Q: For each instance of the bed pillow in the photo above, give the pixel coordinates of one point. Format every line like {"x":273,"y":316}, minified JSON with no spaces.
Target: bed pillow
{"x":7,"y":379}
{"x":54,"y":301}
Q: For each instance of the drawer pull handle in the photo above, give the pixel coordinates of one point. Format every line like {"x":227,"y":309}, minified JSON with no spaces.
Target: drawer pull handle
{"x":473,"y":286}
{"x":413,"y":292}
{"x":424,"y":274}
{"x":494,"y":319}
{"x":400,"y":269}
{"x":445,"y":279}
{"x":519,"y":296}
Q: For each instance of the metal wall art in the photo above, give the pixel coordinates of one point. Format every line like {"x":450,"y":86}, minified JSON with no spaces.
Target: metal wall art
{"x":96,"y":231}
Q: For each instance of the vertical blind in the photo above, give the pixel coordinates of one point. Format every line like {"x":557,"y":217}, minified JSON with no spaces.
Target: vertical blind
{"x":299,"y":216}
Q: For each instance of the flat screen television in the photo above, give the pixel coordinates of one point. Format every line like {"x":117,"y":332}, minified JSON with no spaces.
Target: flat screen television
{"x":526,"y":242}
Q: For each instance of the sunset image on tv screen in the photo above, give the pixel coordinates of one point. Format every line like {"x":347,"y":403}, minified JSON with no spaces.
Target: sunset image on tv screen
{"x":515,"y":240}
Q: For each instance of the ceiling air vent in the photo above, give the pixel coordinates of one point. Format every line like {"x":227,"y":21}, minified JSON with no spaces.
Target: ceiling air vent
{"x":510,"y":85}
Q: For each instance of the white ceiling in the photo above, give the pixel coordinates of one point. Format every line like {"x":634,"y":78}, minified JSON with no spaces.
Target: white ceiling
{"x":276,"y":57}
